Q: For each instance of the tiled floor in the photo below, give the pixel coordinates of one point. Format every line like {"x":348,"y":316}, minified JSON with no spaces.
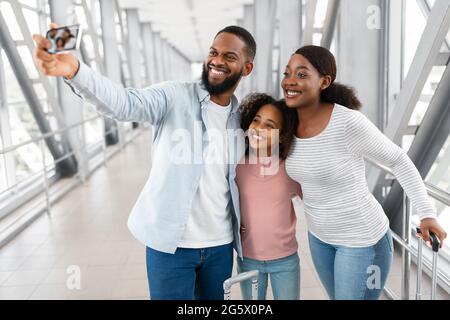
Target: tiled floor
{"x":87,"y":235}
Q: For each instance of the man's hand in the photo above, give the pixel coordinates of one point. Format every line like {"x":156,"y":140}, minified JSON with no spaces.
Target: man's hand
{"x":57,"y":65}
{"x":431,"y":225}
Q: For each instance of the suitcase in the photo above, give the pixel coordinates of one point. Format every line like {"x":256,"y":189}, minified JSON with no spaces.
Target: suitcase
{"x":435,"y":247}
{"x":251,"y":275}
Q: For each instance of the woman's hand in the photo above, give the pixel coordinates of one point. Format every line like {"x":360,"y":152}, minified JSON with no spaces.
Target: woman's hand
{"x":431,"y":225}
{"x":242,"y":229}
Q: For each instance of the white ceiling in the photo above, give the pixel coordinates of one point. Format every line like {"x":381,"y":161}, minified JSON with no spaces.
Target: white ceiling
{"x":189,"y":25}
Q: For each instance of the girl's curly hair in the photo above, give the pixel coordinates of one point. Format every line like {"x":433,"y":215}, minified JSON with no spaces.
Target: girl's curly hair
{"x":250,"y":107}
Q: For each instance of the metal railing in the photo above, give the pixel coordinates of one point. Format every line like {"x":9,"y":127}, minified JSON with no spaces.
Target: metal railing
{"x":404,"y":240}
{"x":48,"y":166}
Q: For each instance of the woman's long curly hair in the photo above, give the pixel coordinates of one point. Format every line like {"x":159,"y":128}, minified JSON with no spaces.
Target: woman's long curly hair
{"x":250,"y":107}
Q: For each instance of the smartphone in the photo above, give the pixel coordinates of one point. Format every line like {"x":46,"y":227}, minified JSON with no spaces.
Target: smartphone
{"x":64,"y":39}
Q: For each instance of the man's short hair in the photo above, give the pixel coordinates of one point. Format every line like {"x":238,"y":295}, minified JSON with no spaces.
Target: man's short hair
{"x":244,"y":35}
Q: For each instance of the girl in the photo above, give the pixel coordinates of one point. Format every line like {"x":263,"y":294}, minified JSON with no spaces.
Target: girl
{"x":268,"y":217}
{"x":349,"y":235}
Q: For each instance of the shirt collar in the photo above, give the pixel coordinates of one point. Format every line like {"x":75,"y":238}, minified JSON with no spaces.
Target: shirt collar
{"x":204,"y":97}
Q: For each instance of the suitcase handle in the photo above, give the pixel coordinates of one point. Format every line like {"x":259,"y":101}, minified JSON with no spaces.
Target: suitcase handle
{"x":253,"y":275}
{"x":435,"y":243}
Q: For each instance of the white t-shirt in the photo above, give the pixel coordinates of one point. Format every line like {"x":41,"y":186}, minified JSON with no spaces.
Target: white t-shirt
{"x":209,"y":223}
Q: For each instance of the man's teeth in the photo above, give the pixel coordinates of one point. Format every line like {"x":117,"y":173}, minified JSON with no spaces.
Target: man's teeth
{"x":220,"y":73}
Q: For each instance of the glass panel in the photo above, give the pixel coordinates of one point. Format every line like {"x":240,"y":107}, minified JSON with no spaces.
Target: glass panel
{"x":119,"y":33}
{"x":22,"y":122}
{"x":317,"y":39}
{"x":93,"y":129}
{"x":407,"y":141}
{"x":80,"y":16}
{"x":13,"y":90}
{"x":45,"y":27}
{"x":445,"y":46}
{"x":28,"y":160}
{"x":53,"y":123}
{"x":95,"y":66}
{"x":321,"y":12}
{"x":88,"y":45}
{"x":27,"y":60}
{"x":32,"y":19}
{"x":129,"y":126}
{"x":439,"y":174}
{"x":11,"y":22}
{"x":126,"y":71}
{"x":124,"y":19}
{"x":333,"y":47}
{"x":98,"y":17}
{"x":45,"y":106}
{"x":31,"y":3}
{"x":3,"y":177}
{"x":414,"y":26}
{"x":196,"y":70}
{"x":427,"y":94}
{"x":39,"y":89}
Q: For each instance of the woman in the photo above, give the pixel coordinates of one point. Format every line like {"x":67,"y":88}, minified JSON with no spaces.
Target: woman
{"x":349,"y":234}
{"x":265,"y":191}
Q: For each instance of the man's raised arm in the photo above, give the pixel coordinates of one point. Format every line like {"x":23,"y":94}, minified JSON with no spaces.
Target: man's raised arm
{"x":111,"y":99}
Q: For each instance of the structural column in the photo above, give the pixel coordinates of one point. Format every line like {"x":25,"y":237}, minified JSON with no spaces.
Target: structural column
{"x":290,"y":17}
{"x":134,"y":50}
{"x":166,"y":59}
{"x":265,"y":19}
{"x":360,"y":53}
{"x":149,"y":52}
{"x":111,"y":60}
{"x":248,"y":22}
{"x":71,"y":105}
{"x":7,"y":162}
{"x":158,"y":58}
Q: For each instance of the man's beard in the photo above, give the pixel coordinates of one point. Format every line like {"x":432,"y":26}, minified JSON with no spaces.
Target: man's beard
{"x":226,"y":85}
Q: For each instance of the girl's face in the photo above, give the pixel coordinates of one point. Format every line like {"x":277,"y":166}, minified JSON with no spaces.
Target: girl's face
{"x":264,"y":131}
{"x":302,"y":83}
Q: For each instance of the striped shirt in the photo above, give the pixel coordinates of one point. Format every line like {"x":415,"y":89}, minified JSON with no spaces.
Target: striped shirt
{"x":339,"y":207}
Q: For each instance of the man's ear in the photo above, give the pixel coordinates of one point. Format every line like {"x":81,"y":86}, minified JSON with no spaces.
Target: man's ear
{"x":248,"y":68}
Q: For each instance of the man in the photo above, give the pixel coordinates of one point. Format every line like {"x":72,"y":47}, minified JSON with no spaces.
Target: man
{"x":188,"y":212}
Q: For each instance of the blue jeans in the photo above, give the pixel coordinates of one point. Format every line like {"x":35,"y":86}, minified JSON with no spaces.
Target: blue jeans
{"x":352,"y":273}
{"x":189,"y":274}
{"x":284,"y":277}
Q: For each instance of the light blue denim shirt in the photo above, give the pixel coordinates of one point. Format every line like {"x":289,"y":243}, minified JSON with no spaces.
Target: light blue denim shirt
{"x":177,"y":112}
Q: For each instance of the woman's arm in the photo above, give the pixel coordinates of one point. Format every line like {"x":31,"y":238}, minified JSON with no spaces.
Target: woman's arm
{"x":364,"y":139}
